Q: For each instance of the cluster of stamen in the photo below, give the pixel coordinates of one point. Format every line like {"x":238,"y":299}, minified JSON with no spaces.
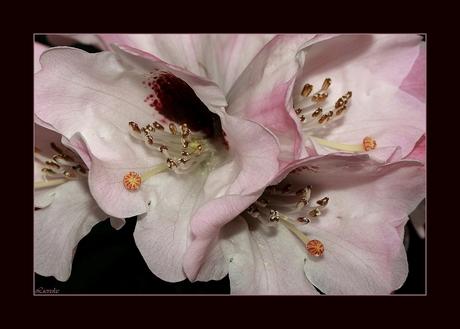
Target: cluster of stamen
{"x":313,"y":116}
{"x":310,"y":114}
{"x":282,"y":205}
{"x":183,"y":149}
{"x":60,"y":167}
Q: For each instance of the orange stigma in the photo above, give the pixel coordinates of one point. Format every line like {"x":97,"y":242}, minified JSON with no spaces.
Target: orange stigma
{"x":132,"y":181}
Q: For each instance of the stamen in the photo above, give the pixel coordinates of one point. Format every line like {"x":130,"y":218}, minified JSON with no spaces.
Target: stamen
{"x":61,"y":166}
{"x":313,"y":119}
{"x":183,"y":149}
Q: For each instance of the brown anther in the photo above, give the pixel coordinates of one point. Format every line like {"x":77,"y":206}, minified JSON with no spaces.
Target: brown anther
{"x":82,"y":170}
{"x":369,"y":143}
{"x":298,"y":111}
{"x":37,"y":150}
{"x":327,"y":82}
{"x":286,"y":188}
{"x":303,"y":118}
{"x":323,"y":201}
{"x":302,"y":203}
{"x":158,"y":126}
{"x":323,"y":118}
{"x":63,"y":158}
{"x":52,"y":165}
{"x":184,"y":143}
{"x":253,"y":211}
{"x":301,"y":192}
{"x":135,"y":127}
{"x":184,"y":128}
{"x":162,"y":148}
{"x":306,"y":90}
{"x":149,"y":128}
{"x":198,"y":149}
{"x":319,"y":97}
{"x":318,"y":112}
{"x":270,"y":190}
{"x":330,"y":114}
{"x":340,"y":110}
{"x":69,"y":174}
{"x":185,"y":154}
{"x":149,"y":139}
{"x":315,"y":213}
{"x":48,"y":171}
{"x":170,"y":163}
{"x":274,"y":216}
{"x":55,"y":148}
{"x":303,"y":220}
{"x":263,"y":202}
{"x":181,"y":160}
{"x":172,"y":128}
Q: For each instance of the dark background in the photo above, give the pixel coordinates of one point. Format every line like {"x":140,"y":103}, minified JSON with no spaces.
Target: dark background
{"x":108,"y":262}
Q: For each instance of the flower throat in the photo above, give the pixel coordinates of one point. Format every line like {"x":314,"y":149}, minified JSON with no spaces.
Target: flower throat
{"x":185,"y":145}
{"x":313,"y":117}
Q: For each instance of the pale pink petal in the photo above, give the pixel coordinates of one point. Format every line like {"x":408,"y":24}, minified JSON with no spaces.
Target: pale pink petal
{"x":263,"y":92}
{"x":264,"y":262}
{"x":38,"y":50}
{"x":372,"y":67}
{"x":363,"y":224}
{"x":415,"y":82}
{"x":60,"y":226}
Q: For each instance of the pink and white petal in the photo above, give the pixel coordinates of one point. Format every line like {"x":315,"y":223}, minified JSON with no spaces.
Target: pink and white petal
{"x":39,"y":48}
{"x":264,"y":260}
{"x":378,"y":108}
{"x":232,"y":187}
{"x":357,"y":230}
{"x":235,"y":52}
{"x":163,"y":234}
{"x":61,"y":225}
{"x":362,"y":256}
{"x":263,"y":91}
{"x":415,"y":82}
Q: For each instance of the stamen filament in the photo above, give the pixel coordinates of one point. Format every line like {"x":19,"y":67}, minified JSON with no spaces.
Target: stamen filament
{"x":49,"y":183}
{"x":339,"y":146}
{"x":296,"y":231}
{"x":153,"y":172}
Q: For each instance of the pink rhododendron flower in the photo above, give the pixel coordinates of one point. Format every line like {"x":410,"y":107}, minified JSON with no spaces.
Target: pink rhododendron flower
{"x":225,"y":55}
{"x":278,"y":81}
{"x":336,"y":91}
{"x":335,"y":223}
{"x":65,"y":209}
{"x":160,"y":146}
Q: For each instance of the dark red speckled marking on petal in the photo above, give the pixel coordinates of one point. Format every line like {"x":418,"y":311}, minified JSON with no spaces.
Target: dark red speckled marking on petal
{"x":173,"y":98}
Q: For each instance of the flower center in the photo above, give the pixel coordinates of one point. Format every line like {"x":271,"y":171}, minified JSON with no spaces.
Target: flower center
{"x":282,"y":205}
{"x":185,"y":146}
{"x":60,"y":167}
{"x":182,"y":149}
{"x":314,"y":117}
